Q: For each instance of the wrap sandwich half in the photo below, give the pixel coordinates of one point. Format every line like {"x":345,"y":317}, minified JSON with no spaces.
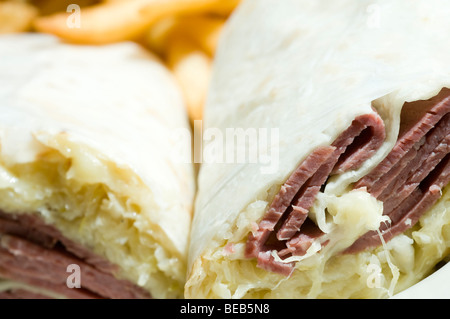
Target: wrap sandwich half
{"x":92,"y":202}
{"x":358,"y":206}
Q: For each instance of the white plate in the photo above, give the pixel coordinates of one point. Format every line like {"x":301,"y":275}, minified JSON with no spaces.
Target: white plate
{"x":436,"y":286}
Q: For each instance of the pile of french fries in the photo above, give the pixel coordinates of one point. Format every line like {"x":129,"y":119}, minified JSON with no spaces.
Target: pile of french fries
{"x":183,"y":33}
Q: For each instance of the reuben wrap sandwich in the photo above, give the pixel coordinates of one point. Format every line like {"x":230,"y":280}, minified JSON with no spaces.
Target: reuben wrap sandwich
{"x":359,"y":203}
{"x":92,"y":202}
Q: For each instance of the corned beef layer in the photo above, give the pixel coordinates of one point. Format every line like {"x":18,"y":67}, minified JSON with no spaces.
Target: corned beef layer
{"x":408,"y":181}
{"x":37,"y":254}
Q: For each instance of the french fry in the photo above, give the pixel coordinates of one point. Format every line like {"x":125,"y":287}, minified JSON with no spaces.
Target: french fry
{"x":224,"y":8}
{"x":47,"y":7}
{"x":99,"y":24}
{"x":192,"y":68}
{"x":202,"y":30}
{"x":158,"y":36}
{"x":187,"y":7}
{"x":16,"y":16}
{"x":115,"y":21}
{"x":205,"y":31}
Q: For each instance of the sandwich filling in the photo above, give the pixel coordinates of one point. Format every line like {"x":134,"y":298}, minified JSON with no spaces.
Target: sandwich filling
{"x":408,"y":182}
{"x":59,"y":211}
{"x":38,"y":255}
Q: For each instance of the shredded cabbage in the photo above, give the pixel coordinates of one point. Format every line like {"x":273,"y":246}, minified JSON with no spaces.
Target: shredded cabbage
{"x":112,"y":224}
{"x":378,"y":273}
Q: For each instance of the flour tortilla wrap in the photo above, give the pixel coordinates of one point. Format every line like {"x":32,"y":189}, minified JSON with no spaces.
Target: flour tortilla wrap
{"x":358,"y":204}
{"x":87,"y":172}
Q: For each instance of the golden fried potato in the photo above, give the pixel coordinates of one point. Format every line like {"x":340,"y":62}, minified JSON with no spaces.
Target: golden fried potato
{"x":99,"y":24}
{"x":192,"y":68}
{"x":114,"y":21}
{"x":47,"y":7}
{"x":202,"y":30}
{"x":16,"y":16}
